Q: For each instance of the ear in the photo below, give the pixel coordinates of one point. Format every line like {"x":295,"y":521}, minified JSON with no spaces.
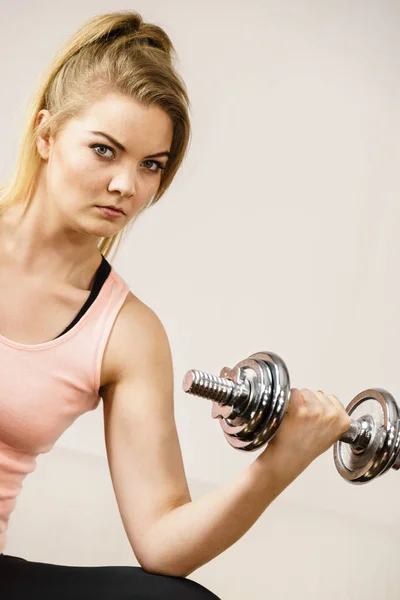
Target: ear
{"x":44,"y":139}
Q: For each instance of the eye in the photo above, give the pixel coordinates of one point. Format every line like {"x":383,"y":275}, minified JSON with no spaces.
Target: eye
{"x":148,"y":164}
{"x":102,"y":147}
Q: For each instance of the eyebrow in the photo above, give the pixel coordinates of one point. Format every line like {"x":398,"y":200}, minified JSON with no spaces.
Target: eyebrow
{"x":123,"y":149}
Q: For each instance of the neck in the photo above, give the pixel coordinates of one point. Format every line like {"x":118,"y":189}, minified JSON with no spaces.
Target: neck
{"x":35,"y":246}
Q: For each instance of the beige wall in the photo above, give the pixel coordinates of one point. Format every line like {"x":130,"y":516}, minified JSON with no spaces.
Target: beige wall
{"x":280,"y":233}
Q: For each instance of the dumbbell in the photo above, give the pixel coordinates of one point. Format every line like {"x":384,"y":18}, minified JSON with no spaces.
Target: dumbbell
{"x":250,"y":400}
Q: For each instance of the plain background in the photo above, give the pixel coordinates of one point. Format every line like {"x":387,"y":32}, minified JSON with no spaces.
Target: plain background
{"x":279,"y":233}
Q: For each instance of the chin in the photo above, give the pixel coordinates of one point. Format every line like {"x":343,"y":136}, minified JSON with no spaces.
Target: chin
{"x":105,"y":229}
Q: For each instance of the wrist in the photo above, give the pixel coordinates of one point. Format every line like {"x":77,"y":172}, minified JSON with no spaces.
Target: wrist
{"x":281,"y":466}
{"x":267,"y":479}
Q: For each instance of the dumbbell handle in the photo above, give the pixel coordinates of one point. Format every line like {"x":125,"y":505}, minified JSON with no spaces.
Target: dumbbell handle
{"x":227,"y":392}
{"x":359,"y":433}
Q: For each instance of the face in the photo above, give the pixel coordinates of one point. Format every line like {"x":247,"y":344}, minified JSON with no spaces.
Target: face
{"x":84,"y":169}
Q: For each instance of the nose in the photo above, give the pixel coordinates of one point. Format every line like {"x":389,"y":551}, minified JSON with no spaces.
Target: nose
{"x":125,"y":182}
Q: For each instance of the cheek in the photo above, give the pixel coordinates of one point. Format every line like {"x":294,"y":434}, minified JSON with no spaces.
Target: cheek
{"x":77,"y":170}
{"x":154,"y":185}
{"x":147,"y":190}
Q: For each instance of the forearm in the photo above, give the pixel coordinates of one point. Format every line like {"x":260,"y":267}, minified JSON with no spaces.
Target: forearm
{"x":191,"y":535}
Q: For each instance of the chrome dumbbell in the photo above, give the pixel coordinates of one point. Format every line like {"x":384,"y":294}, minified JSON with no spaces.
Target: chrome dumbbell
{"x":251,"y":399}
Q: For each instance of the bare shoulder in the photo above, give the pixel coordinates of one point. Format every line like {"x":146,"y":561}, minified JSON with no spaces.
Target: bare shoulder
{"x":137,"y":341}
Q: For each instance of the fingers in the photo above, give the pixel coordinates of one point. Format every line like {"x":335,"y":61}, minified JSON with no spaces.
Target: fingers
{"x":311,"y":399}
{"x":325,"y":398}
{"x":315,"y":401}
{"x":339,"y":411}
{"x":336,"y":402}
{"x":318,"y":402}
{"x":342,"y":410}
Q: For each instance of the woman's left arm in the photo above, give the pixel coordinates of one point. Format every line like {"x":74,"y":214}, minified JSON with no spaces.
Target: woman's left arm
{"x":169,"y":533}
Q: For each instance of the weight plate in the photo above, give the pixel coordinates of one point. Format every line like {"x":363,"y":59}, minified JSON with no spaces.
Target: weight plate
{"x":239,"y":428}
{"x":271,"y":396}
{"x":362,"y":466}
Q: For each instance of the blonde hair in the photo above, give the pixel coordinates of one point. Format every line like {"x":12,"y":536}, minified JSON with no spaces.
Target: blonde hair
{"x":112,"y":52}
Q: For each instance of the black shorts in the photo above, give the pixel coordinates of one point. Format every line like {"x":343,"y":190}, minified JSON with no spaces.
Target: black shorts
{"x":21,"y":579}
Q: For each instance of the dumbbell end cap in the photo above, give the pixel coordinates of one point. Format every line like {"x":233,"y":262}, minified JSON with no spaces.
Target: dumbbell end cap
{"x":188,"y":381}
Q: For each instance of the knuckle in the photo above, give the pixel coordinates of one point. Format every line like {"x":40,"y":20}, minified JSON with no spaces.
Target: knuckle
{"x":304,"y":394}
{"x":302,"y":413}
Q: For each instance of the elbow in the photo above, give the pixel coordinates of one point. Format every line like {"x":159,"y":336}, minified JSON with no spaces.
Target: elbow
{"x":167,"y":571}
{"x":157,"y":567}
{"x":163,"y":565}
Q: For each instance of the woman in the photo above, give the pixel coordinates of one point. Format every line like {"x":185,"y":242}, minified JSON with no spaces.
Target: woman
{"x":107,"y":132}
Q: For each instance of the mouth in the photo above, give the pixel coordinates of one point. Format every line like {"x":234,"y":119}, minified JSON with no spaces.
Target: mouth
{"x":113,"y":208}
{"x":111,"y":211}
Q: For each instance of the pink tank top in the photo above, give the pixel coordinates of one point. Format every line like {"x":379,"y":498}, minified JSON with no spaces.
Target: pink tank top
{"x":45,"y":387}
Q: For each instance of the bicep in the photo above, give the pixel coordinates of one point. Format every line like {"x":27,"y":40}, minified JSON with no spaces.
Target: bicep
{"x":142,"y":444}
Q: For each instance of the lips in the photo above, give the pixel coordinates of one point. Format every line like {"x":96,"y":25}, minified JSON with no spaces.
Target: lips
{"x":115,"y":208}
